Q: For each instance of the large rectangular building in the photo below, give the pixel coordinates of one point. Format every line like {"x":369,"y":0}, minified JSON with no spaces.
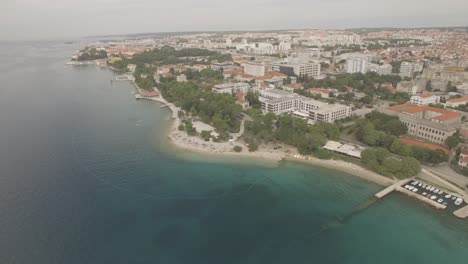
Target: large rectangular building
{"x":279,"y":102}
{"x":231,"y":88}
{"x":426,"y":122}
{"x":255,"y":69}
{"x":311,"y":70}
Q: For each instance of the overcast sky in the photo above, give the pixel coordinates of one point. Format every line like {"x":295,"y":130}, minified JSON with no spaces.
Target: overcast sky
{"x":61,"y":19}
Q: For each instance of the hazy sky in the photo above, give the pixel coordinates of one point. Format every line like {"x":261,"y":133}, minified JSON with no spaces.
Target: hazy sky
{"x":47,"y":19}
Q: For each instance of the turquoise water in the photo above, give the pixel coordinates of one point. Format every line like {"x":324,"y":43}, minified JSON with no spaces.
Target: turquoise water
{"x":88,"y":177}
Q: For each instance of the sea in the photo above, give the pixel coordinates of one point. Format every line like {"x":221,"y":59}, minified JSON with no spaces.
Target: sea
{"x":87,"y":177}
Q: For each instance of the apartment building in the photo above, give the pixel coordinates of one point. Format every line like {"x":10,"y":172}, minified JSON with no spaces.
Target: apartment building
{"x":311,"y":70}
{"x":356,"y":65}
{"x":426,"y":122}
{"x":279,"y":102}
{"x":406,"y":69}
{"x":424,"y":99}
{"x":255,"y":69}
{"x":231,"y":88}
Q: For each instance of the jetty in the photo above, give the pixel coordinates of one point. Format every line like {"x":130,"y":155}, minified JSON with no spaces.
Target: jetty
{"x":391,"y":188}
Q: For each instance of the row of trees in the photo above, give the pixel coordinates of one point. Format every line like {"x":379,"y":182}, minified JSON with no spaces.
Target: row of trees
{"x":381,"y":130}
{"x":219,"y":110}
{"x":92,"y":54}
{"x":381,"y":161}
{"x":169,"y":55}
{"x":268,"y":128}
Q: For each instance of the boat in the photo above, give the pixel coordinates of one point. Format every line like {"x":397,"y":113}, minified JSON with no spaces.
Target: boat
{"x":433,"y":197}
{"x":440,"y":192}
{"x":448,"y":196}
{"x":410,"y":188}
{"x":431,"y":189}
{"x":424,"y":193}
{"x":440,"y":201}
{"x":415,"y":190}
{"x":436,"y":190}
{"x":458,"y":201}
{"x":420,"y":184}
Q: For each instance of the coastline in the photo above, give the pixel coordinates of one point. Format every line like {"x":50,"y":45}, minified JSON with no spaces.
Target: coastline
{"x":181,"y":140}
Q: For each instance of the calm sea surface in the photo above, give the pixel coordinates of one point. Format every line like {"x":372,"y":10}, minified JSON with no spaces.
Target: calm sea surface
{"x":86,"y":177}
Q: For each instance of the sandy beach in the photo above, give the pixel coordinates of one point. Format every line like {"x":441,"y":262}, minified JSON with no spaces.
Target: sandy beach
{"x":181,"y":140}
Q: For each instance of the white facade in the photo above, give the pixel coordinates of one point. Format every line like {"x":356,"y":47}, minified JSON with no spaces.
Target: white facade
{"x":355,"y":65}
{"x":406,"y":69}
{"x":424,"y":99}
{"x":279,"y":102}
{"x":231,"y":88}
{"x":255,"y":69}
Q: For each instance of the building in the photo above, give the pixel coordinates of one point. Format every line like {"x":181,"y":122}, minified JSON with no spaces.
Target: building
{"x":355,"y":65}
{"x":426,"y":122}
{"x":181,"y":78}
{"x":231,"y":88}
{"x":385,"y":69}
{"x":255,"y":69}
{"x":324,"y":93}
{"x":279,"y":102}
{"x":406,"y":70}
{"x":222,"y":66}
{"x":311,"y":70}
{"x":344,"y":149}
{"x":424,"y":99}
{"x":453,"y":103}
{"x":463,"y":159}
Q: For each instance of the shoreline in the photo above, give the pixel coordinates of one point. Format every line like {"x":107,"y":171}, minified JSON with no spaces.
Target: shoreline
{"x":180,"y":140}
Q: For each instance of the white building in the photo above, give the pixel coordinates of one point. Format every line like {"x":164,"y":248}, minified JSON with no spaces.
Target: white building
{"x":279,"y":102}
{"x":385,"y":69}
{"x":255,"y":69}
{"x":425,"y":99}
{"x":355,"y":65}
{"x":231,"y":88}
{"x":406,"y":69}
{"x":299,"y":69}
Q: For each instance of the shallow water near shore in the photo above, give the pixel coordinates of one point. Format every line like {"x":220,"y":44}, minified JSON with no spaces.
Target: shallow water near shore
{"x":87,"y":177}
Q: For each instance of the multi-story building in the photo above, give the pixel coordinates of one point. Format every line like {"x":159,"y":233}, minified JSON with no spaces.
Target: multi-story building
{"x":255,"y":69}
{"x":427,"y":122}
{"x":385,"y":69}
{"x":279,"y":102}
{"x":231,"y":88}
{"x":355,"y":65}
{"x":406,"y":69}
{"x":299,"y":69}
{"x":424,"y":99}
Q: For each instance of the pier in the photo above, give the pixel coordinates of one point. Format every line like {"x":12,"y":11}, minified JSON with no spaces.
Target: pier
{"x":429,"y":194}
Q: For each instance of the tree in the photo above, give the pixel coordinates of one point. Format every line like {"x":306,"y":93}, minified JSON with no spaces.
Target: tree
{"x":237,"y":149}
{"x":206,"y":135}
{"x":429,"y":85}
{"x":454,"y":140}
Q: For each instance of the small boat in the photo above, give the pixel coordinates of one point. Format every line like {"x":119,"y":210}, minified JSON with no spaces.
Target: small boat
{"x":448,"y":196}
{"x":431,"y":189}
{"x":440,"y":201}
{"x":420,"y":184}
{"x":454,"y":198}
{"x":424,"y":193}
{"x":433,"y":197}
{"x":406,"y":186}
{"x":436,"y":190}
{"x":410,"y":188}
{"x":424,"y":185}
{"x":459,"y":201}
{"x":440,"y":192}
{"x":415,"y":190}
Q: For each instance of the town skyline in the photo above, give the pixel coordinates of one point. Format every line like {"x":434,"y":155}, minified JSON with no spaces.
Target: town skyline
{"x":51,"y":19}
